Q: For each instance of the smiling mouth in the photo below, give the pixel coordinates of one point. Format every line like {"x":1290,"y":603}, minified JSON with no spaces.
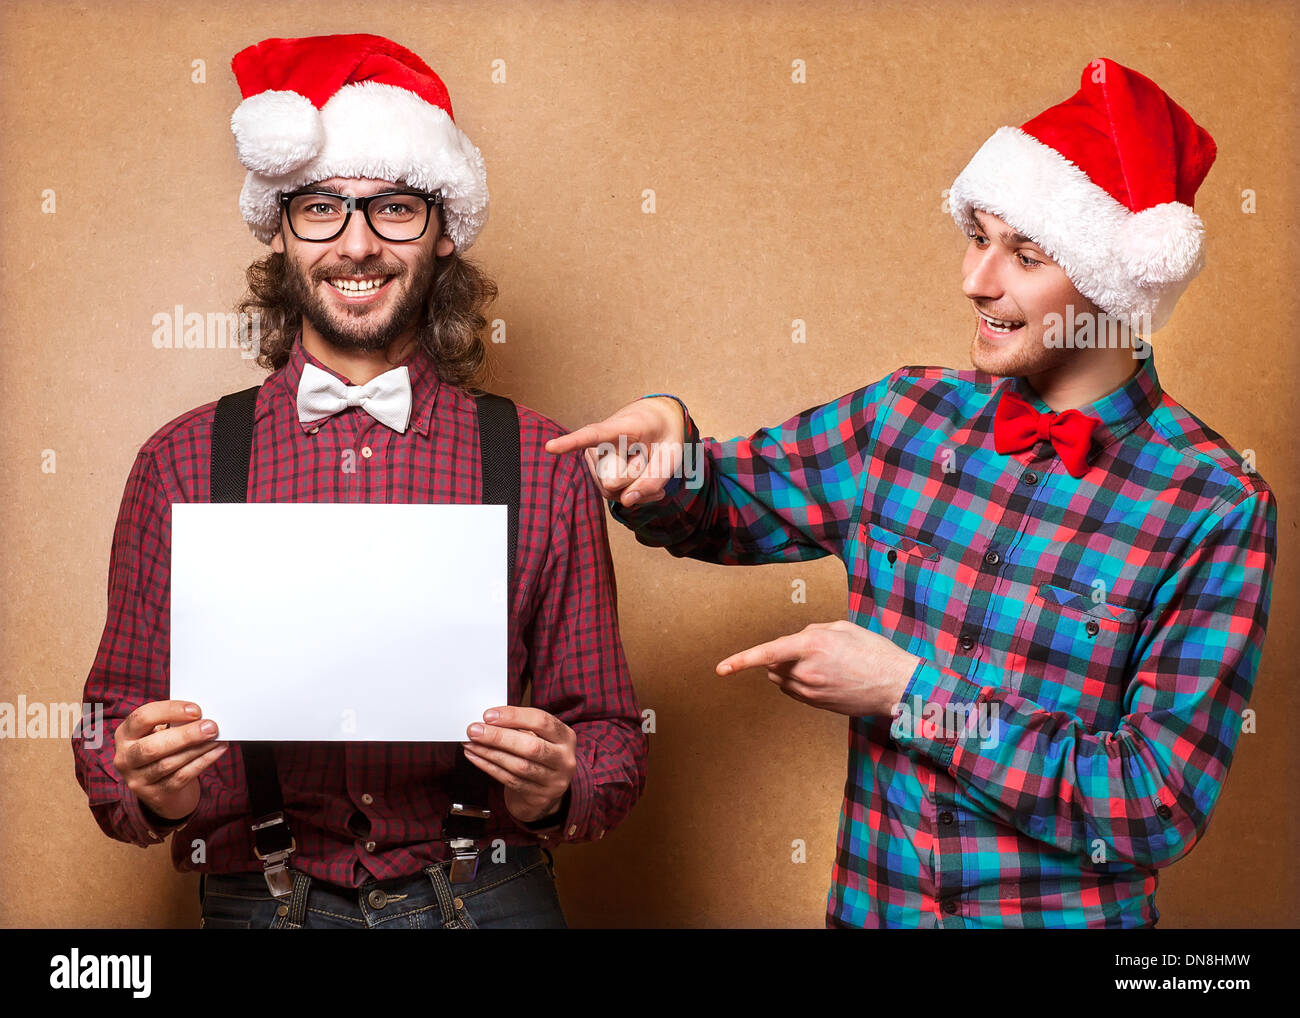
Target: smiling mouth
{"x":358,"y":286}
{"x":998,"y":326}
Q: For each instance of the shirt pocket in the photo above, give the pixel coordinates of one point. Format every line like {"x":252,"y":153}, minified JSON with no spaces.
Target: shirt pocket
{"x":897,"y":571}
{"x":1070,"y":654}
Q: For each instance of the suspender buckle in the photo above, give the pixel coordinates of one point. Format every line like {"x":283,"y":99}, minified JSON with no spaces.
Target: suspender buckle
{"x":464,"y":860}
{"x":463,"y":850}
{"x":275,"y":865}
{"x":459,"y":809}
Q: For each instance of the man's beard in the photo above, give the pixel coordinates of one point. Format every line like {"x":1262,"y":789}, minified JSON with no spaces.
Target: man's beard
{"x":361,"y":329}
{"x":1025,"y":358}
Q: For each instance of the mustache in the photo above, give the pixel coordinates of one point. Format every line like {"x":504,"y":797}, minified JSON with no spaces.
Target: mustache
{"x":320,"y":274}
{"x":1001,"y":318}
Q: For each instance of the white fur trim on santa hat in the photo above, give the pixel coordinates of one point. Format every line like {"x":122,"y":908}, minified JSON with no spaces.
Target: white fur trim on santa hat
{"x":1130,"y":264}
{"x":276,"y":132}
{"x":375,"y":131}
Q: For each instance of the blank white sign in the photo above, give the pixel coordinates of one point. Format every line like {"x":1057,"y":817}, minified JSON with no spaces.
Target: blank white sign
{"x":339,"y":622}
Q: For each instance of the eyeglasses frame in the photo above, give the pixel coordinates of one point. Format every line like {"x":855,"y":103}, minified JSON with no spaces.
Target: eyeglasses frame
{"x":351,"y":204}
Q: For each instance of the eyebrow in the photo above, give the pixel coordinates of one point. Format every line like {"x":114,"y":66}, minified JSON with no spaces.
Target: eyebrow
{"x":1007,"y":236}
{"x":334,"y":189}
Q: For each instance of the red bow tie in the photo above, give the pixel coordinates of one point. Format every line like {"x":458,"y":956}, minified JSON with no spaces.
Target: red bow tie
{"x":1017,"y":426}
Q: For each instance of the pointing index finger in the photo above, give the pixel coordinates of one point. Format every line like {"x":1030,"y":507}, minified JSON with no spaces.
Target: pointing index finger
{"x":585,"y":437}
{"x":785,"y":648}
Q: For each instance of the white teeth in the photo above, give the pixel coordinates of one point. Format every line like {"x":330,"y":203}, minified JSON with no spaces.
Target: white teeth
{"x":998,"y":325}
{"x":357,"y":285}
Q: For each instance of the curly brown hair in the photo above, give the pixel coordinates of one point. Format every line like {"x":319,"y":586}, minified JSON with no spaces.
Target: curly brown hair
{"x":449,"y":331}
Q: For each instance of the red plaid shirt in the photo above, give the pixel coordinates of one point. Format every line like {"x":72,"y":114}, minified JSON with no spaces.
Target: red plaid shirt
{"x":373,"y":810}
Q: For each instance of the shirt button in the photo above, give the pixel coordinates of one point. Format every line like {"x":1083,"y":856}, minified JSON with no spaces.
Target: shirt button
{"x":1031,"y":478}
{"x":367,"y":452}
{"x":945,"y":817}
{"x":377,"y":899}
{"x":367,"y":798}
{"x":993,"y":558}
{"x":314,"y":431}
{"x":370,"y":846}
{"x":1164,"y":812}
{"x":967,"y":642}
{"x":600,"y":835}
{"x":1092,"y":628}
{"x":950,"y":906}
{"x":282,"y":910}
{"x":573,"y":829}
{"x":892,"y":556}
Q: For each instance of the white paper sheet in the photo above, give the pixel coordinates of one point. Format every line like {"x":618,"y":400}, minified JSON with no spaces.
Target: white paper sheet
{"x":339,"y":622}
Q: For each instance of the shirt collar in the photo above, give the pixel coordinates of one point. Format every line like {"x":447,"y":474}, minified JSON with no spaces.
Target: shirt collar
{"x":1119,"y":411}
{"x":424,"y":381}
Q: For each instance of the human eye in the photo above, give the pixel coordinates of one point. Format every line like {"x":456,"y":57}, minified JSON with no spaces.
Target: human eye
{"x":400,"y":206}
{"x":1026,"y":261}
{"x":318,"y":206}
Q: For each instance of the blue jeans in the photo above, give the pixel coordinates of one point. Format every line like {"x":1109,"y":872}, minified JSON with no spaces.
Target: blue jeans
{"x":516,"y":894}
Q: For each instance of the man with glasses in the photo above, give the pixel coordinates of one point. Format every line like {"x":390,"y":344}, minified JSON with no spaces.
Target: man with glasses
{"x":369,"y":194}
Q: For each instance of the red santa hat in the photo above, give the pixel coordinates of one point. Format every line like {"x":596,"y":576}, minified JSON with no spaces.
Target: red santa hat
{"x":350,"y":106}
{"x":1104,"y":183}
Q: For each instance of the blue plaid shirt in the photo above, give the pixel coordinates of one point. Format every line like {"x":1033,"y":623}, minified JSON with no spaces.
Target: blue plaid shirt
{"x":1088,"y":644}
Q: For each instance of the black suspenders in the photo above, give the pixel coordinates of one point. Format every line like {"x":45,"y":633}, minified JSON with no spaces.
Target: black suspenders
{"x":468,"y":815}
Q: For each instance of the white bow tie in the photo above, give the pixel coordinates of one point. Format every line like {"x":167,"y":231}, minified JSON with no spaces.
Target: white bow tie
{"x":386,"y":398}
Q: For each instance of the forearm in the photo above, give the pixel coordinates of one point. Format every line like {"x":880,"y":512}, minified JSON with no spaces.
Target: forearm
{"x":117,"y":810}
{"x":131,"y":662}
{"x":607,"y":781}
{"x":1142,"y":793}
{"x":783,"y":494}
{"x":578,"y":670}
{"x":1119,"y":796}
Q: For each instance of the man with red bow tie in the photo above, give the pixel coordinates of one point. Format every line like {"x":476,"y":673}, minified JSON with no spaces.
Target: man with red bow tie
{"x":1059,"y":579}
{"x":369,"y":194}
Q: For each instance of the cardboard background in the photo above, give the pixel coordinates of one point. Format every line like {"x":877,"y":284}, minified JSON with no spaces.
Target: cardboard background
{"x":775,"y":201}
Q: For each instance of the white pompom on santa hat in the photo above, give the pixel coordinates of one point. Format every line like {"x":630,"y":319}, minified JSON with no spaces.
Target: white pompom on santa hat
{"x":1104,"y":183}
{"x":350,"y":106}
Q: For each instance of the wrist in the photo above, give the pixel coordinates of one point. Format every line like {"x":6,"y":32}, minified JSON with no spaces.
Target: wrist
{"x":673,"y":412}
{"x":903,"y":675}
{"x":554,"y":814}
{"x":158,"y":820}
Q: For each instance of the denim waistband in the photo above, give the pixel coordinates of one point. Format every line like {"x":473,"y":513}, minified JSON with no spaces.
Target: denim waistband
{"x":430,"y":887}
{"x":518,"y":859}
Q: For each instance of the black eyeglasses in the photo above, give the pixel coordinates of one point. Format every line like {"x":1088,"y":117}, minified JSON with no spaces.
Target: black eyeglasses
{"x":398,"y":216}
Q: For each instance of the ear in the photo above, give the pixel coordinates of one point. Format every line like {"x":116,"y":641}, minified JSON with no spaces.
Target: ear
{"x":277,"y":242}
{"x":443,"y":248}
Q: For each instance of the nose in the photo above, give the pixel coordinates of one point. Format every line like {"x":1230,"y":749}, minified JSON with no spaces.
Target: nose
{"x":980,"y":275}
{"x":358,"y":241}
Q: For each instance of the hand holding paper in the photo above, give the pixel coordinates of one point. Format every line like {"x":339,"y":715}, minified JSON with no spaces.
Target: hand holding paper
{"x":161,"y":749}
{"x":532,"y":753}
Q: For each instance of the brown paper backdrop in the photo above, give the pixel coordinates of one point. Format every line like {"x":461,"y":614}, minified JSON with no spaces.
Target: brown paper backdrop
{"x":775,"y":201}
